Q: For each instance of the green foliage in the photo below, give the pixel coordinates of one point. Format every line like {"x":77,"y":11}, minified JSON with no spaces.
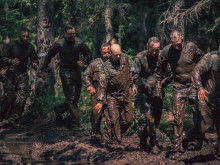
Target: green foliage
{"x":15,"y":14}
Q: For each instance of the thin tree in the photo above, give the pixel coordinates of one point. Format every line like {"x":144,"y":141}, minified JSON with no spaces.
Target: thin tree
{"x":45,"y":38}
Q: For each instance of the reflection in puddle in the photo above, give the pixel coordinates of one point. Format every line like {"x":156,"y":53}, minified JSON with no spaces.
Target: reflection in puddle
{"x":22,"y":149}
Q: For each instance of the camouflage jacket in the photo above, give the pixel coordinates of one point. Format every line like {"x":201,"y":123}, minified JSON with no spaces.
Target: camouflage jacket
{"x":206,"y":74}
{"x":69,"y":53}
{"x":93,"y":74}
{"x":118,"y":80}
{"x":182,"y":62}
{"x":143,"y":71}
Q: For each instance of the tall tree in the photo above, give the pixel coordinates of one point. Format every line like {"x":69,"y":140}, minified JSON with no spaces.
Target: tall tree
{"x":178,"y":20}
{"x":108,"y":13}
{"x":45,"y":38}
{"x":143,"y":29}
{"x":191,"y":25}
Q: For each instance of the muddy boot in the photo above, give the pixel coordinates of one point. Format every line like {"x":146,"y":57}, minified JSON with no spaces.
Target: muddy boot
{"x":176,"y":156}
{"x":199,"y":144}
{"x":59,"y":110}
{"x":7,"y":124}
{"x":74,"y":113}
{"x":183,"y":142}
{"x":143,"y":140}
{"x":217,"y":157}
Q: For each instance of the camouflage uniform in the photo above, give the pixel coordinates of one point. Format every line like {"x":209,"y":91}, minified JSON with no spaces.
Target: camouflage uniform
{"x":115,"y":87}
{"x":91,"y":77}
{"x":19,"y":74}
{"x":144,"y":76}
{"x":206,"y":75}
{"x":182,"y":63}
{"x":69,"y":72}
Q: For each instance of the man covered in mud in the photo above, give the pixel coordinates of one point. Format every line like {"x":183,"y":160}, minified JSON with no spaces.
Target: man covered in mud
{"x":5,"y":42}
{"x":182,"y":58}
{"x":69,"y":49}
{"x":15,"y":59}
{"x":206,"y":79}
{"x":115,"y":87}
{"x":144,"y":76}
{"x":91,"y":80}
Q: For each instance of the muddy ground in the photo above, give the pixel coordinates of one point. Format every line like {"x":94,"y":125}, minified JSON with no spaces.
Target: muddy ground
{"x":43,"y":142}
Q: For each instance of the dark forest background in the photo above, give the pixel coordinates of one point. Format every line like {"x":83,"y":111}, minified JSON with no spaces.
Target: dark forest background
{"x":131,"y":22}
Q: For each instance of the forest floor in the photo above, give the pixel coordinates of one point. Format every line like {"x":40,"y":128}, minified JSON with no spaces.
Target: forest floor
{"x":43,"y":142}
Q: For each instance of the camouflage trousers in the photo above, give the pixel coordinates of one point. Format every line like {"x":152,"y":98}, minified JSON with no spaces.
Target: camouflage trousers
{"x":116,"y":109}
{"x":182,"y":93}
{"x":209,"y":114}
{"x":152,"y":108}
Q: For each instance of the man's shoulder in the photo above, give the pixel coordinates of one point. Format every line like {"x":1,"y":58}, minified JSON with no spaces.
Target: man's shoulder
{"x":190,"y":44}
{"x":96,"y":61}
{"x":78,"y":40}
{"x":60,"y":41}
{"x":165,"y":50}
{"x":30,"y":45}
{"x":141,"y":55}
{"x":215,"y":56}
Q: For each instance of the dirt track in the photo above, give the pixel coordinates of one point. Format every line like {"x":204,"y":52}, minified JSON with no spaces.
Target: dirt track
{"x":43,"y":142}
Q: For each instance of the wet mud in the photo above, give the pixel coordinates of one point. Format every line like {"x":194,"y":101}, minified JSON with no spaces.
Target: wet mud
{"x":44,"y":142}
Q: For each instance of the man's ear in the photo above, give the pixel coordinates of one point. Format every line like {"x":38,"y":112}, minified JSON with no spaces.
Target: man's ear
{"x":182,"y":38}
{"x":147,"y":46}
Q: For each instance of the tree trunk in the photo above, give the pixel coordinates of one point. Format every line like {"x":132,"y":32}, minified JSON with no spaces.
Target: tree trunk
{"x":108,"y":13}
{"x":45,"y":38}
{"x":191,"y":27}
{"x":143,"y":29}
{"x":158,"y":28}
{"x":97,"y":28}
{"x":178,"y":22}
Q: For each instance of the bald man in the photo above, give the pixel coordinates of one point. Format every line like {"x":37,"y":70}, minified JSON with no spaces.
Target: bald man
{"x":182,"y":58}
{"x":115,"y":88}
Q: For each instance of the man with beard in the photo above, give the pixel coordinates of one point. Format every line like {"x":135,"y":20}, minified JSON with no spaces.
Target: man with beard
{"x":69,"y":49}
{"x":115,"y":88}
{"x":92,"y":76}
{"x":15,"y":58}
{"x":144,"y":76}
{"x":182,"y":58}
{"x":206,"y":79}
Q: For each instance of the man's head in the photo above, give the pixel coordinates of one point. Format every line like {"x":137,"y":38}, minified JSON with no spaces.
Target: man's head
{"x":116,"y":53}
{"x":153,"y":46}
{"x":23,"y":35}
{"x":113,"y":41}
{"x":70,"y":33}
{"x":105,"y":51}
{"x":6,"y":40}
{"x":176,"y":39}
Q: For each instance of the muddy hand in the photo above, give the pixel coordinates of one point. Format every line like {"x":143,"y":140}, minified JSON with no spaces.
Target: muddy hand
{"x":15,"y":62}
{"x":91,"y":90}
{"x":202,"y":94}
{"x":98,"y":107}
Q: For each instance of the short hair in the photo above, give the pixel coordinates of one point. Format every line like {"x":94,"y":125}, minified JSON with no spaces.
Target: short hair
{"x":113,"y":41}
{"x":106,"y":44}
{"x":24,"y":29}
{"x":5,"y":37}
{"x":153,"y":39}
{"x":175,"y":35}
{"x":67,"y":27}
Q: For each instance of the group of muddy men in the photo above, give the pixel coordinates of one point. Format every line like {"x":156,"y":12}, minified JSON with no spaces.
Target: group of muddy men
{"x":111,"y":80}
